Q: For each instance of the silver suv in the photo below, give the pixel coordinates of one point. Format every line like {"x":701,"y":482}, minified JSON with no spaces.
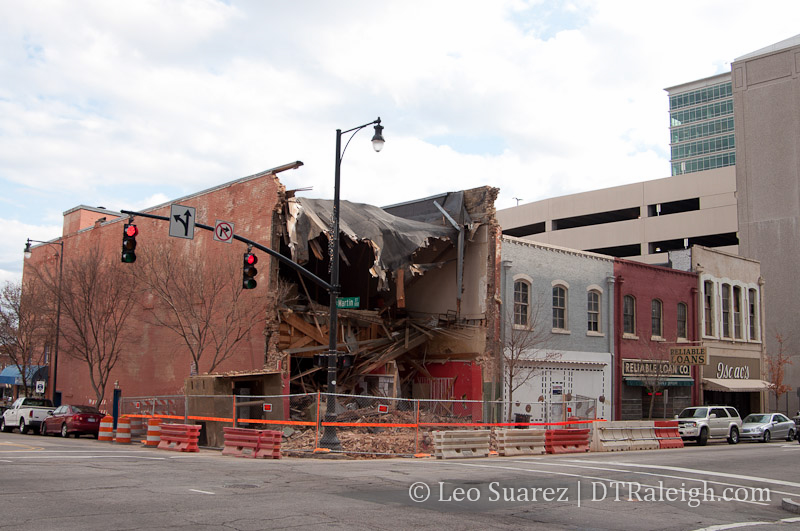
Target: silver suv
{"x":702,"y":423}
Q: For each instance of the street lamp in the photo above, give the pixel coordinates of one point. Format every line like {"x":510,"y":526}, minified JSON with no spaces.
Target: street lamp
{"x":329,"y":439}
{"x":27,"y":253}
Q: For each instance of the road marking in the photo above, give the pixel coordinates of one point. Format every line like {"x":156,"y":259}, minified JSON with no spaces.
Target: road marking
{"x":737,"y":525}
{"x":704,"y":481}
{"x":43,"y":451}
{"x":693,"y":471}
{"x":27,"y":447}
{"x":722,"y":527}
{"x":201,"y":491}
{"x":124,"y":456}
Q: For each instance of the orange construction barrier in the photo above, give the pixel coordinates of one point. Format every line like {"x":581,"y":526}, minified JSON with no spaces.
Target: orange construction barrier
{"x":179,"y":437}
{"x":153,"y":432}
{"x":269,"y":444}
{"x":106,"y":432}
{"x":567,"y":441}
{"x":667,"y":434}
{"x":240,"y":442}
{"x":244,"y":442}
{"x":123,"y":431}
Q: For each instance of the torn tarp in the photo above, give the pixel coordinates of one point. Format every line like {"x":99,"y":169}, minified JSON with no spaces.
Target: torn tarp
{"x":393,"y":239}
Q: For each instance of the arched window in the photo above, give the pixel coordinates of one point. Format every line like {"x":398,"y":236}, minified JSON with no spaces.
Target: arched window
{"x":593,"y":311}
{"x":737,"y":312}
{"x":753,"y":314}
{"x":560,"y":307}
{"x":629,"y":315}
{"x":726,"y":310}
{"x":522,"y":292}
{"x":708,"y":307}
{"x":682,"y":320}
{"x":656,"y":318}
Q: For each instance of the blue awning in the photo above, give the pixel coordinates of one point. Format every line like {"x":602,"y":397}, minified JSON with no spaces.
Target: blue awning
{"x":11,"y":375}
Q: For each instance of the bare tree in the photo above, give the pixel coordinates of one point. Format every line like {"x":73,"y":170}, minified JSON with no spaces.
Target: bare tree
{"x":26,"y":327}
{"x":97,"y":296}
{"x":656,"y":368}
{"x":776,"y":367}
{"x":524,"y":347}
{"x":201,"y":301}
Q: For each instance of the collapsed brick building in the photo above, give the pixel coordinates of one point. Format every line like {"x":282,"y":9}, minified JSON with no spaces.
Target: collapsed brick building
{"x":419,"y":285}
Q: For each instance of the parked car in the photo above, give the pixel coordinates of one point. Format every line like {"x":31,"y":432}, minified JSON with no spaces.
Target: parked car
{"x":701,"y":423}
{"x":766,"y":426}
{"x":26,"y":413}
{"x":75,"y":420}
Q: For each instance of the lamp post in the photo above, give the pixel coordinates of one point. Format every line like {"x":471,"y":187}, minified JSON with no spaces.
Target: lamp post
{"x":329,"y":439}
{"x":27,"y":254}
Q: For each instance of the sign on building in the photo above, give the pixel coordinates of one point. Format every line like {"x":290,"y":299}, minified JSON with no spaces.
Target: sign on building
{"x":688,"y":356}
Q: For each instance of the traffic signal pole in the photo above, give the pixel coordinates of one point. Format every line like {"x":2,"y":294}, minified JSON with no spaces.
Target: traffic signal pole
{"x":294,"y":265}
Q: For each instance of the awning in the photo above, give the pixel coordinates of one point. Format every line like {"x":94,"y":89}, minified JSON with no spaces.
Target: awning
{"x":736,"y":386}
{"x":11,"y":375}
{"x":666,"y":382}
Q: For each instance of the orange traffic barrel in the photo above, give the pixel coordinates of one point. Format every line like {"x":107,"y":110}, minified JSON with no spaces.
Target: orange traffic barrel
{"x":123,"y":431}
{"x":153,"y":432}
{"x":106,"y":432}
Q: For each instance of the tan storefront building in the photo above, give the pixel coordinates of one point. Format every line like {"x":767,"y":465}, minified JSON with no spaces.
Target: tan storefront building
{"x":731,"y":327}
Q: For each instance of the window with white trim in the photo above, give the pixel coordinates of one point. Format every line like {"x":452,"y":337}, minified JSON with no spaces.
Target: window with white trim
{"x":522,"y":294}
{"x":708,"y":307}
{"x":726,"y":310}
{"x":737,"y":312}
{"x":560,"y":307}
{"x":593,"y":311}
{"x":753,"y":314}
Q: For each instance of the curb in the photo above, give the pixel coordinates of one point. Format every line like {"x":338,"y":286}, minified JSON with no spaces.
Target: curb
{"x":790,"y":505}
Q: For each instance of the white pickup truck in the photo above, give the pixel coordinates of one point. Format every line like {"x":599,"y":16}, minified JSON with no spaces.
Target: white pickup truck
{"x":26,"y":414}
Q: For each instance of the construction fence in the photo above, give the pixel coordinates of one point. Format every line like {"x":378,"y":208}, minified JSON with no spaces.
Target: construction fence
{"x":368,"y":425}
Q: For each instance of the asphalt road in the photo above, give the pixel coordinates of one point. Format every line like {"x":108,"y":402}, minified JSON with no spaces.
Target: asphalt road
{"x":54,"y":483}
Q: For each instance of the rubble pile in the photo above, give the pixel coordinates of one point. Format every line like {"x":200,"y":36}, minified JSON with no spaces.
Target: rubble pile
{"x":375,"y":441}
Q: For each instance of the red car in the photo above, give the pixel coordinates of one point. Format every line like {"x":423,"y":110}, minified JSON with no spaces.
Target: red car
{"x":76,"y":420}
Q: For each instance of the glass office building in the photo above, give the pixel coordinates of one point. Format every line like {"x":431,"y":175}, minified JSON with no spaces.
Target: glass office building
{"x":701,"y":125}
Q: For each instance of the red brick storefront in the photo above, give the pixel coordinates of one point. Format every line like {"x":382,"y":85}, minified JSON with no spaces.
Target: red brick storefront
{"x":641,"y":351}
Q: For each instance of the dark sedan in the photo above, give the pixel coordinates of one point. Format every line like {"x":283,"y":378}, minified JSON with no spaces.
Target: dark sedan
{"x":75,"y":420}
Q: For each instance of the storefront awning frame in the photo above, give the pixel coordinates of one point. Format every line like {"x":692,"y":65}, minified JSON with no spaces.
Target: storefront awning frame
{"x":735,"y":385}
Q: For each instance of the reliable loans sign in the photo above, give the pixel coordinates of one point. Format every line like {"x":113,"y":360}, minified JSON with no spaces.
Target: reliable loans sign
{"x":688,"y":356}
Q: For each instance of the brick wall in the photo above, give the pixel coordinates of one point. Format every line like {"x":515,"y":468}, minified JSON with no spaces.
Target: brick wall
{"x":154,"y":362}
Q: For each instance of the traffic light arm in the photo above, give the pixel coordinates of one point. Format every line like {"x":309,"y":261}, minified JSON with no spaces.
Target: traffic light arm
{"x":294,"y":265}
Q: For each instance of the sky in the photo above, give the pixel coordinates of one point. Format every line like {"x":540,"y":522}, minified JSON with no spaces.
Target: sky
{"x":128,"y":105}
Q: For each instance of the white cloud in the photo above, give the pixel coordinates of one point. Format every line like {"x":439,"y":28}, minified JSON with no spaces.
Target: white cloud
{"x":130,"y":105}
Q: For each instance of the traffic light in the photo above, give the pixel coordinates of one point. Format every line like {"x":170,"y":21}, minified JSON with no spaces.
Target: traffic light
{"x":249,"y":271}
{"x":129,"y":243}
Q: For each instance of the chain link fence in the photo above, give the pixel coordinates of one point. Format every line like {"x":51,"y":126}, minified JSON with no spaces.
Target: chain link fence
{"x":362,"y":425}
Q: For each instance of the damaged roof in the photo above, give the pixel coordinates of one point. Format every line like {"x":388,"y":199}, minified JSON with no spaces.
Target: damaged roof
{"x":393,"y":239}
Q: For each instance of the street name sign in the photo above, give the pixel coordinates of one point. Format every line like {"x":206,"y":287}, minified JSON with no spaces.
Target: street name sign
{"x":348,"y":302}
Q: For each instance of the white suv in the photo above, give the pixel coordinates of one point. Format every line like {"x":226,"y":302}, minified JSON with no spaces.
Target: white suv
{"x":702,"y":423}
